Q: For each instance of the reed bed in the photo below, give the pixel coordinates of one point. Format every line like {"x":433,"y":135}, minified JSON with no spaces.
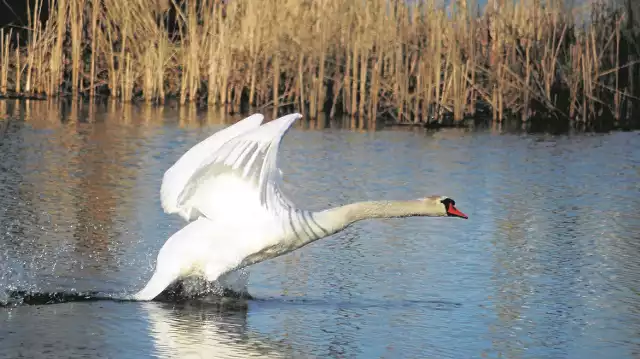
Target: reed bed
{"x":413,"y":62}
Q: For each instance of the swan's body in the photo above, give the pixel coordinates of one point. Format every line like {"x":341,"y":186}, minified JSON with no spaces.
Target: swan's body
{"x":229,"y":187}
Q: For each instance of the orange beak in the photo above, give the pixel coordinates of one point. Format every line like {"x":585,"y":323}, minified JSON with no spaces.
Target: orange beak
{"x":452,"y":211}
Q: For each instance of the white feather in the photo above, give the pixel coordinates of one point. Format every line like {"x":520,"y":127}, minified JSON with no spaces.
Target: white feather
{"x":176,"y":177}
{"x":242,"y":177}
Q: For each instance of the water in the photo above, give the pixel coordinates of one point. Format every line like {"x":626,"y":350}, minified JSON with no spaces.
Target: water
{"x":547,"y":266}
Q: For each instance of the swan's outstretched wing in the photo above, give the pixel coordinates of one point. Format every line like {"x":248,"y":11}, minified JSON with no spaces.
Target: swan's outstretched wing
{"x":241,"y":180}
{"x":176,"y":177}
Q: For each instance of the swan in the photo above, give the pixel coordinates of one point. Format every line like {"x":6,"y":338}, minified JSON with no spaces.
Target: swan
{"x":228,"y":189}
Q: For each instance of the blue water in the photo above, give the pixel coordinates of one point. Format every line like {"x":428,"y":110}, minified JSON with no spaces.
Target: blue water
{"x":546,"y":266}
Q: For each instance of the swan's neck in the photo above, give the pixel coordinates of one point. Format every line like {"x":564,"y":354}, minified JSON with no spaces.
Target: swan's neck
{"x":325,"y":223}
{"x":341,"y":217}
{"x":303,"y":227}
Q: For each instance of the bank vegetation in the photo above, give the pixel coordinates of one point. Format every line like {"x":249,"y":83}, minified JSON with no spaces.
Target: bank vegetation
{"x":410,"y":61}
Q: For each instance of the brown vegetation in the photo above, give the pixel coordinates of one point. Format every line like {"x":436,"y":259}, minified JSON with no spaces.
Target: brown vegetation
{"x":411,"y":61}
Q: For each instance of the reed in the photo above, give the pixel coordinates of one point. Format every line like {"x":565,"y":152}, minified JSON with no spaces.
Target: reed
{"x":414,"y":62}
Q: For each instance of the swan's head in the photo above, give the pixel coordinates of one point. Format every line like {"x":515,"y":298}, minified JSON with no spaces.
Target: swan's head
{"x":445,"y":206}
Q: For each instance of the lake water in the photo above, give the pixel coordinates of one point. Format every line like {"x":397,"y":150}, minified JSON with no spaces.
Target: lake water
{"x":546,"y":266}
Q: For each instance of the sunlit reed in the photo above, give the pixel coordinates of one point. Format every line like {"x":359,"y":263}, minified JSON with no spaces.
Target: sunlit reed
{"x":410,"y":61}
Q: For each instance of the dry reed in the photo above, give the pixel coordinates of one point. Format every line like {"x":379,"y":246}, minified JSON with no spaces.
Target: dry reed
{"x":412,"y":61}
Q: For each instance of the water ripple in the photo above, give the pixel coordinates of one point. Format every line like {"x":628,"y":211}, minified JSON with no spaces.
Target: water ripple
{"x":546,"y":267}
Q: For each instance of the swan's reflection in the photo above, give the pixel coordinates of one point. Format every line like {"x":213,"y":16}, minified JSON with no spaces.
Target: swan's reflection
{"x":200,"y":329}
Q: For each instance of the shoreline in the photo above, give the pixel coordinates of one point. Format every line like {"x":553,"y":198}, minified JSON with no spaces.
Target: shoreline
{"x":356,"y":122}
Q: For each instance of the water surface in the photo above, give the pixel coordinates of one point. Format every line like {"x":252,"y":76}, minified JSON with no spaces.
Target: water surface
{"x":547,"y":266}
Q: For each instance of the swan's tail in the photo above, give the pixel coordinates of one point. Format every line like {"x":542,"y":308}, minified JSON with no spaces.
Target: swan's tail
{"x":158,"y":282}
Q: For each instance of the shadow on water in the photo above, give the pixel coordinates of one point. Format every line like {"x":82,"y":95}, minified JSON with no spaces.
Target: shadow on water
{"x":227,"y":300}
{"x":424,"y":304}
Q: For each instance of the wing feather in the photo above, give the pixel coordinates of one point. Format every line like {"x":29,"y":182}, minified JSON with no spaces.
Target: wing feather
{"x":178,"y":175}
{"x":242,"y":177}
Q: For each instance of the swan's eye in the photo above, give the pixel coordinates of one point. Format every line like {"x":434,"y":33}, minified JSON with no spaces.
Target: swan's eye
{"x":448,"y":201}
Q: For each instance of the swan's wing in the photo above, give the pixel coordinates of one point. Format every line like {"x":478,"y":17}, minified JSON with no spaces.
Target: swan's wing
{"x":242,"y":180}
{"x":176,"y":177}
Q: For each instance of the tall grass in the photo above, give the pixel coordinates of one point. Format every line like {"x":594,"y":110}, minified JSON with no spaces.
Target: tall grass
{"x":410,"y":61}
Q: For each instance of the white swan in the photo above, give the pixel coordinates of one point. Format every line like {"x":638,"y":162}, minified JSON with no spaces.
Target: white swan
{"x":229,"y":185}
